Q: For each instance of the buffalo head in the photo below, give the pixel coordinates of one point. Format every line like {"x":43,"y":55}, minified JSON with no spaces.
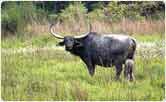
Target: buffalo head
{"x":69,"y":42}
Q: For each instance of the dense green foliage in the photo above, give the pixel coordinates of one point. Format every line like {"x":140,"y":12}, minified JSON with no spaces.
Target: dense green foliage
{"x":17,"y":15}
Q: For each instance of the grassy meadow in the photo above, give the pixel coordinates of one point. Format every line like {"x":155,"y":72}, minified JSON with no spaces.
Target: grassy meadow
{"x":50,"y":73}
{"x":34,"y":68}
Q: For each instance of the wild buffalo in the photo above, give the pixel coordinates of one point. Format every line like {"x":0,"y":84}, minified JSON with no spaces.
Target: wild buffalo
{"x":104,"y":50}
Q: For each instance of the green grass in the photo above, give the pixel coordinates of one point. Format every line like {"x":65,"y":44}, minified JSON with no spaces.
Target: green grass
{"x":149,"y":38}
{"x":51,"y":76}
{"x":36,"y":41}
{"x":58,"y":75}
{"x":49,"y":40}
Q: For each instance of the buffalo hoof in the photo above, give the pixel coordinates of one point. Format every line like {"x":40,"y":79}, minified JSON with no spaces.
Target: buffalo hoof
{"x":91,"y":73}
{"x":117,"y":78}
{"x":130,"y":78}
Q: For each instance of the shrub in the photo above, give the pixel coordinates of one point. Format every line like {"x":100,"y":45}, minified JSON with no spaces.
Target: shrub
{"x":72,"y":18}
{"x":75,"y":12}
{"x":97,"y":14}
{"x":16,"y":16}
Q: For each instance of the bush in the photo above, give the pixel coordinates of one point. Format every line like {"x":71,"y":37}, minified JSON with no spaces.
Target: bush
{"x":72,"y":19}
{"x":16,"y":16}
{"x":97,"y":14}
{"x":75,"y":12}
{"x":116,"y":12}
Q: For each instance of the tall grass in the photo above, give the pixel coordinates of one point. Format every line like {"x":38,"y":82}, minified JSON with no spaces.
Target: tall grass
{"x":74,"y":20}
{"x":125,"y":26}
{"x":57,"y":75}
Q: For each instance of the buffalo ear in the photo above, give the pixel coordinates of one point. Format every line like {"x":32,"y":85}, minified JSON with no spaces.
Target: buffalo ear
{"x":78,"y":44}
{"x":61,"y":43}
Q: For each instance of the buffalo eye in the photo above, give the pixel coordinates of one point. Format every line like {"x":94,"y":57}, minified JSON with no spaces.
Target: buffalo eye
{"x":78,"y":44}
{"x":61,"y":43}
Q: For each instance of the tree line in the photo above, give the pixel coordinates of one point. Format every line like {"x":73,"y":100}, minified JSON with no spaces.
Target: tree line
{"x":17,"y":14}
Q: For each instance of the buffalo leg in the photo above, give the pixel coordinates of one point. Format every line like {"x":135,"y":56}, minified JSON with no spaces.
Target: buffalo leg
{"x":90,"y":66}
{"x":118,"y":71}
{"x":91,"y":69}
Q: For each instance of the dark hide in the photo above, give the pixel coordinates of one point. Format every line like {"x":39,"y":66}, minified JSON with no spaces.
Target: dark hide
{"x":103,"y":50}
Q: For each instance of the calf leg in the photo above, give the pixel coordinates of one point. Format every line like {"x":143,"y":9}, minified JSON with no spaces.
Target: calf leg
{"x":125,"y":71}
{"x":118,"y":71}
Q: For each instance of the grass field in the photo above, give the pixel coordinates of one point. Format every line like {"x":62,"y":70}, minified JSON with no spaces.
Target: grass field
{"x":53,"y":74}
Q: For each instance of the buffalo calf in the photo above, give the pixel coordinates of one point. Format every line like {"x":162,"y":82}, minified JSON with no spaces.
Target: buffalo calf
{"x":128,"y":71}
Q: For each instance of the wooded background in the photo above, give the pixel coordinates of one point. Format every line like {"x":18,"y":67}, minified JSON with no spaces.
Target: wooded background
{"x":34,"y":17}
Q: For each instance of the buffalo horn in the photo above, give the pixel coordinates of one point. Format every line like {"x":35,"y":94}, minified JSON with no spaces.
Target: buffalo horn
{"x":55,"y":34}
{"x":84,"y":35}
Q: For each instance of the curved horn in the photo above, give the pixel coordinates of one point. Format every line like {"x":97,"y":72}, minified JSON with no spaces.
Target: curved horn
{"x":84,"y":35}
{"x":55,"y":34}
